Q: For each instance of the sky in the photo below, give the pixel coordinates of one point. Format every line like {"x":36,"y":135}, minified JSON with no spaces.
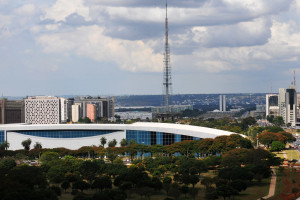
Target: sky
{"x":115,"y":47}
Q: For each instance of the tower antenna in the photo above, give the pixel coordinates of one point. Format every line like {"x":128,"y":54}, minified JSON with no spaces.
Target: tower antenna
{"x":167,"y":67}
{"x":295,"y":78}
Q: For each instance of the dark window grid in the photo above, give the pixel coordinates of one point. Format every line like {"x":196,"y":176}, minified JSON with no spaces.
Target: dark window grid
{"x":65,"y":134}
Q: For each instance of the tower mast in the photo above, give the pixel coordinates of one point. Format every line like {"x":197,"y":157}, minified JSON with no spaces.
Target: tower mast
{"x":295,"y":78}
{"x":167,"y":67}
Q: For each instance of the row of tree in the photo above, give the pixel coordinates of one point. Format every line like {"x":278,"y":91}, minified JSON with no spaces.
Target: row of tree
{"x":130,"y":148}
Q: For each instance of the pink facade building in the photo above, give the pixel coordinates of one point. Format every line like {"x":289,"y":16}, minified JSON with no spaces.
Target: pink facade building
{"x":91,"y":112}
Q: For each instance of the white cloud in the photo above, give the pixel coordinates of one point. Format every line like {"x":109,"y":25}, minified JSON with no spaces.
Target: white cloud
{"x":26,"y":10}
{"x":63,"y":8}
{"x":90,"y":41}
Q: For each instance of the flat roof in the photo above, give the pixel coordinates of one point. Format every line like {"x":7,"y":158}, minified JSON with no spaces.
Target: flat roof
{"x":189,"y":130}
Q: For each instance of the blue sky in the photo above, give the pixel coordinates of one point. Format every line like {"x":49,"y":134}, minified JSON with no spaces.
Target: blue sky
{"x":115,"y":47}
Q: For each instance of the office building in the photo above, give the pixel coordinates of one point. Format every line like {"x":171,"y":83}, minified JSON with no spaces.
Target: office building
{"x":91,"y":112}
{"x":11,"y":111}
{"x":105,"y":107}
{"x":291,"y":106}
{"x":272,"y":107}
{"x":222,"y":103}
{"x":42,"y":110}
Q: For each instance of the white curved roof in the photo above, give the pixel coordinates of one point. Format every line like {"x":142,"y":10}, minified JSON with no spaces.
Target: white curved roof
{"x":195,"y":131}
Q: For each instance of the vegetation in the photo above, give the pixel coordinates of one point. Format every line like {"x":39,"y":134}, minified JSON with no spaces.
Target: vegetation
{"x":171,"y":171}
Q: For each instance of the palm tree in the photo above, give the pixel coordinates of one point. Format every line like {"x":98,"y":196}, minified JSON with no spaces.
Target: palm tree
{"x":26,"y":144}
{"x":5,"y":145}
{"x":103,"y":141}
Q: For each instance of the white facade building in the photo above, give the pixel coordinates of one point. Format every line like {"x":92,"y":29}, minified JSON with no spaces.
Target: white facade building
{"x":74,"y":136}
{"x":75,"y":112}
{"x":42,"y":110}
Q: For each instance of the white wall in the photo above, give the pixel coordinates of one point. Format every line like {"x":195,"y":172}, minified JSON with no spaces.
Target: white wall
{"x":15,"y":140}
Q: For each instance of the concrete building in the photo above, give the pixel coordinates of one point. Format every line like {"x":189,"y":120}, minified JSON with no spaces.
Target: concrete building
{"x":91,"y":112}
{"x":105,"y":107}
{"x":291,"y":106}
{"x":272,"y":107}
{"x":75,"y":112}
{"x":11,"y":111}
{"x":285,"y":104}
{"x":222,"y":103}
{"x":42,"y":110}
{"x":74,"y":136}
{"x":135,"y":115}
{"x":63,"y":110}
{"x":172,"y":108}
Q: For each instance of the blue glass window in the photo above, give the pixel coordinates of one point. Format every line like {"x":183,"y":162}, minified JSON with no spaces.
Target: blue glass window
{"x":66,"y":133}
{"x":2,"y":137}
{"x":151,"y":138}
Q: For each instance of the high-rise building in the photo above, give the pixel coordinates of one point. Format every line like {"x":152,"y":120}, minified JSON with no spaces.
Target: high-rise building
{"x":11,"y":111}
{"x":63,"y":110}
{"x":75,"y":112}
{"x":222,"y":103}
{"x":105,"y":107}
{"x":298,"y":105}
{"x":291,"y":106}
{"x":272,"y":107}
{"x":91,"y":112}
{"x":42,"y":110}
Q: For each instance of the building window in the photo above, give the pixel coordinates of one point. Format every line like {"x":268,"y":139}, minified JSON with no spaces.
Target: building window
{"x":66,"y":133}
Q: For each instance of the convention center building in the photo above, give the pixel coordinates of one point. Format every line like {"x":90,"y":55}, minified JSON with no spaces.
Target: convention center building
{"x":74,"y":136}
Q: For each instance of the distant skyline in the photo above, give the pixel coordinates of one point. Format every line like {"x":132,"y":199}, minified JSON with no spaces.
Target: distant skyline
{"x":115,"y":47}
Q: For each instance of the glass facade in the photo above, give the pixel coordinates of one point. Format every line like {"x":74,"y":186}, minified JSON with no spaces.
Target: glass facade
{"x":2,"y":137}
{"x":65,"y":133}
{"x":151,"y":138}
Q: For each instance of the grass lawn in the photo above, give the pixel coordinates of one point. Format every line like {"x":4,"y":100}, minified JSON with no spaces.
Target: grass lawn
{"x":292,"y":154}
{"x":280,"y":155}
{"x":255,"y":190}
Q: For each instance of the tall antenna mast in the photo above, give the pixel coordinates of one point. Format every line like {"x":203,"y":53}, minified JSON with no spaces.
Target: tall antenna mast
{"x":295,"y":78}
{"x":167,"y":67}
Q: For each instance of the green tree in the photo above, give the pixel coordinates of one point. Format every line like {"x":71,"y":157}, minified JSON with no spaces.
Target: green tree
{"x":4,"y":146}
{"x":103,"y":141}
{"x":37,"y":145}
{"x":226,"y":191}
{"x":112,"y":143}
{"x":123,"y":142}
{"x":266,"y":138}
{"x":85,"y":120}
{"x":26,"y":144}
{"x":278,"y":121}
{"x":102,"y":183}
{"x":65,"y":185}
{"x":81,"y":185}
{"x":7,"y":164}
{"x":88,"y":170}
{"x":207,"y":181}
{"x":49,"y":156}
{"x":277,"y":146}
{"x":167,"y":183}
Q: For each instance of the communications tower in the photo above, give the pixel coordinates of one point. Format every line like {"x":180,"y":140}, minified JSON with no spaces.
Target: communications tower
{"x":167,"y":83}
